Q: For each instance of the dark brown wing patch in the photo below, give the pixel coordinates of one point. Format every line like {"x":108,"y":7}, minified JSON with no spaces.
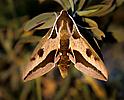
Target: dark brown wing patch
{"x":96,"y":58}
{"x":32,"y":59}
{"x":54,"y":35}
{"x":75,"y":35}
{"x":88,"y":52}
{"x":40,"y":52}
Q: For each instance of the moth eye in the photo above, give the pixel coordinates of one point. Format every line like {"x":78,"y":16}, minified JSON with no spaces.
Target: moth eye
{"x":88,"y":52}
{"x":40,"y":52}
{"x":33,"y":58}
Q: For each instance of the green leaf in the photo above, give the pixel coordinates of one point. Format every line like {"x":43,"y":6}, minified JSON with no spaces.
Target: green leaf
{"x":72,"y":5}
{"x":80,"y":5}
{"x":102,"y":9}
{"x":119,"y":2}
{"x":61,"y":3}
{"x":108,"y":4}
{"x":29,"y":39}
{"x":117,"y":31}
{"x":94,"y":28}
{"x":64,"y":3}
{"x":90,"y":11}
{"x":86,"y":12}
{"x":42,"y":21}
{"x":102,"y":13}
{"x":95,"y":7}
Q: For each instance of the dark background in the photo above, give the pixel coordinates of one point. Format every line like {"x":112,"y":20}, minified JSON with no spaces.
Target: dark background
{"x":13,"y":15}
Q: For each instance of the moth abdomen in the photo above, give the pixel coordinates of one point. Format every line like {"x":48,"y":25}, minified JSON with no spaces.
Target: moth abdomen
{"x":63,"y":69}
{"x":64,"y":63}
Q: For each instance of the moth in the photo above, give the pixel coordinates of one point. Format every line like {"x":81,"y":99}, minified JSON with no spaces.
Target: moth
{"x":61,"y":46}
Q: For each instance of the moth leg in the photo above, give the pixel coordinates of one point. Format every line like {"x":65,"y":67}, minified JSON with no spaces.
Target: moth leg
{"x":71,"y":56}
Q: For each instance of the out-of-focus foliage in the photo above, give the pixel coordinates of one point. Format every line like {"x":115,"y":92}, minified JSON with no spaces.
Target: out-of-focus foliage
{"x":46,"y":21}
{"x":15,"y":53}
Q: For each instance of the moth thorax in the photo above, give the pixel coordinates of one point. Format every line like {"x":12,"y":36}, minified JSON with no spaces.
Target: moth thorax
{"x":64,"y":30}
{"x":64,"y":45}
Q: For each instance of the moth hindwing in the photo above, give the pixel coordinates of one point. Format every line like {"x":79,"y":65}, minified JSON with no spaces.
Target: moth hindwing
{"x":62,"y":45}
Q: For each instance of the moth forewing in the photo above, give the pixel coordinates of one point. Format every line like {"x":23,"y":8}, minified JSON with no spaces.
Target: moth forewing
{"x":79,"y":44}
{"x":39,"y":72}
{"x":41,"y":55}
{"x":41,"y":62}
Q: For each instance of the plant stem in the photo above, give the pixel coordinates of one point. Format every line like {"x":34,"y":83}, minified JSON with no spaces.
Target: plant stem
{"x":63,"y":89}
{"x":38,"y":89}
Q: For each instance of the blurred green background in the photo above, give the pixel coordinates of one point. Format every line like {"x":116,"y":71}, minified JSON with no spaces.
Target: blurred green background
{"x":13,"y":15}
